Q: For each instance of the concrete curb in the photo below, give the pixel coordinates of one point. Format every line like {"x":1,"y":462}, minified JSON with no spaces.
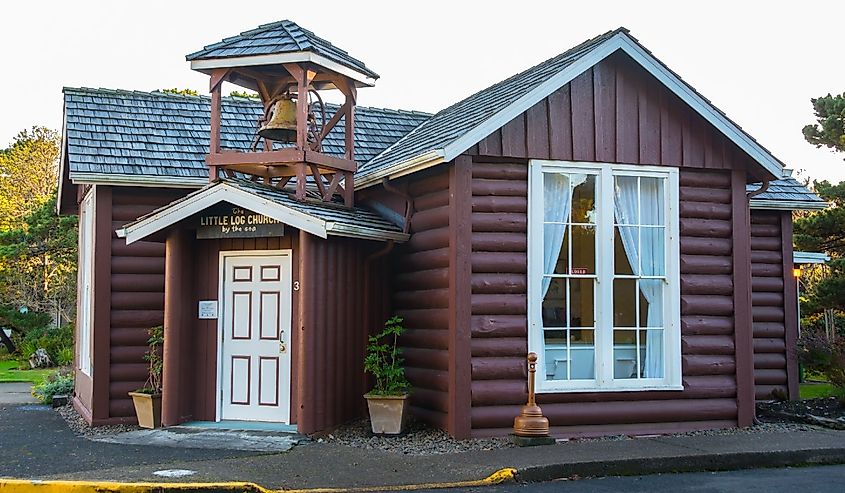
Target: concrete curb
{"x":37,"y":486}
{"x":692,"y":463}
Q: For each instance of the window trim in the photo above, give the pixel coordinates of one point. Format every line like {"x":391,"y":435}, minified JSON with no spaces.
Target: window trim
{"x":85,"y":317}
{"x":604,"y":382}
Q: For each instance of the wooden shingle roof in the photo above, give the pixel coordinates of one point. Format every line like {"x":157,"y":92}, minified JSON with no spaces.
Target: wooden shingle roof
{"x":279,"y":38}
{"x":156,"y":135}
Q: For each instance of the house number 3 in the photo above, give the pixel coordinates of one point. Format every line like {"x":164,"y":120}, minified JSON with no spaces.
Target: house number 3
{"x":296,"y":285}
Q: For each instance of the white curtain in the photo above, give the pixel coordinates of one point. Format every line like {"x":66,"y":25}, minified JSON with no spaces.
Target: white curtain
{"x":557,"y":203}
{"x":653,"y":255}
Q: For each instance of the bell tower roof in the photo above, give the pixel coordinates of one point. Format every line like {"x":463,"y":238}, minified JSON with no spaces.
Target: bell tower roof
{"x":280,"y":42}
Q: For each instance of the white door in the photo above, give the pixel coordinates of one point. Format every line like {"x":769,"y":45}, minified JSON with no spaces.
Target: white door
{"x":255,"y":355}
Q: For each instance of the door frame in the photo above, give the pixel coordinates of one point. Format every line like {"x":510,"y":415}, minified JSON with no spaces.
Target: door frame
{"x":287,"y":321}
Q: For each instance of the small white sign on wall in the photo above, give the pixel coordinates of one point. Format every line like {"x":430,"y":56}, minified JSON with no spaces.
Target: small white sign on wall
{"x":208,"y":309}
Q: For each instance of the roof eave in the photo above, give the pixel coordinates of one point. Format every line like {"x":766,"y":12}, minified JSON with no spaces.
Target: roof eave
{"x":788,"y":205}
{"x":352,"y":231}
{"x":207,"y":64}
{"x":83,"y":178}
{"x":406,"y":167}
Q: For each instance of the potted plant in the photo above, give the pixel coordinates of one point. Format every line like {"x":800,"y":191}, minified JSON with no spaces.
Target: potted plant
{"x":388,"y":400}
{"x":147,"y":399}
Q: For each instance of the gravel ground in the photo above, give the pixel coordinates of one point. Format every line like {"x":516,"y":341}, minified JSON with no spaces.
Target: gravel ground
{"x":828,"y":407}
{"x":79,"y":426}
{"x":421,"y":439}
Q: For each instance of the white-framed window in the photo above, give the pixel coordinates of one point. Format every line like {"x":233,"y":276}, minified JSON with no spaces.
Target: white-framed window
{"x":86,"y":281}
{"x":603,"y":272}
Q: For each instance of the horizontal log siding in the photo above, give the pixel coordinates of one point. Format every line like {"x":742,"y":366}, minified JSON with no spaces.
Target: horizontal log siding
{"x":421,"y":296}
{"x":767,"y":291}
{"x":499,"y":320}
{"x":137,"y":294}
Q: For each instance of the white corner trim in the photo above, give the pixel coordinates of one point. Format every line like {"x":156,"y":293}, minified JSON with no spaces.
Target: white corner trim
{"x":81,"y":178}
{"x":280,"y":58}
{"x":170,"y":215}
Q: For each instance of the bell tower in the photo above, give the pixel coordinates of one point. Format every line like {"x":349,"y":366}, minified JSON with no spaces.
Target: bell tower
{"x":288,"y":67}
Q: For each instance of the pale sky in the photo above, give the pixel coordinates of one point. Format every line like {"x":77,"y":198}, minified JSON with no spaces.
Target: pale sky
{"x":759,"y":62}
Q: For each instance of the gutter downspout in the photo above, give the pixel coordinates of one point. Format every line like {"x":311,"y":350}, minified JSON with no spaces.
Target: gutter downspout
{"x":762,"y":189}
{"x":384,"y":251}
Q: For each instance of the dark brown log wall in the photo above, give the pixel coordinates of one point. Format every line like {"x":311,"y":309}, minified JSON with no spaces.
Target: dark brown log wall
{"x":773,"y":370}
{"x":499,"y":337}
{"x":615,"y":112}
{"x":136,"y":294}
{"x":421,"y":295}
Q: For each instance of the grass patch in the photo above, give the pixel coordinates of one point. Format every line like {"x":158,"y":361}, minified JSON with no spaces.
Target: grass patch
{"x":9,"y":373}
{"x":818,"y":390}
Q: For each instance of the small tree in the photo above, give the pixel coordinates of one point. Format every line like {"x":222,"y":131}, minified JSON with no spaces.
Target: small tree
{"x":154,"y":357}
{"x":384,"y":360}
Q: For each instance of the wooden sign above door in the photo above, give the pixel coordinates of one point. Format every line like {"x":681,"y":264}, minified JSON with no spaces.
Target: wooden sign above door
{"x":228,"y":221}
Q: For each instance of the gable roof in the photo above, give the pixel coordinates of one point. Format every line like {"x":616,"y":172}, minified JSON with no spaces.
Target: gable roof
{"x":278,"y":38}
{"x":457,"y":128}
{"x":316,"y":217}
{"x":117,"y":136}
{"x":785,"y":194}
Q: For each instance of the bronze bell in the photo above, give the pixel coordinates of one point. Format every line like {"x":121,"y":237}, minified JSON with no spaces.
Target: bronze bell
{"x":281,"y":122}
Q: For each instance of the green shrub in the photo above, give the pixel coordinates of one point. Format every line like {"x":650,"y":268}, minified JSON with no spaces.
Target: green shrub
{"x":155,"y":358}
{"x":58,"y":383}
{"x":818,"y":353}
{"x":58,"y":341}
{"x":384,"y":360}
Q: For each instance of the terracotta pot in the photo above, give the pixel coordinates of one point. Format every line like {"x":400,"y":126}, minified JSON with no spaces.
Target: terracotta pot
{"x":148,"y":409}
{"x":388,"y":413}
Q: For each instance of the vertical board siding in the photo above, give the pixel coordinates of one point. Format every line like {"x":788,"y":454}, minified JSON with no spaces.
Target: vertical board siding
{"x":615,"y":112}
{"x":332,"y":328}
{"x":767,"y":282}
{"x":421,"y":284}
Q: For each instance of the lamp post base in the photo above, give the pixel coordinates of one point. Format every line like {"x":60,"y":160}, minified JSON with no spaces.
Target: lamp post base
{"x":531,"y":441}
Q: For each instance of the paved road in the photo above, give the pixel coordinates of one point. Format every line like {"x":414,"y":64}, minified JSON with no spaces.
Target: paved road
{"x":826,"y":479}
{"x":35,"y":442}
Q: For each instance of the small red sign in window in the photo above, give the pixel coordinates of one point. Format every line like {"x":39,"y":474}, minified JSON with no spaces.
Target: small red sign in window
{"x":579,"y":271}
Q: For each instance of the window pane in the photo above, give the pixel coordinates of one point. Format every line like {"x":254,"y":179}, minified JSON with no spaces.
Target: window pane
{"x":556,"y":197}
{"x":582,"y":337}
{"x":555,"y":355}
{"x":553,"y":235}
{"x":583,"y":250}
{"x":652,"y":357}
{"x":651,"y":201}
{"x":582,"y":299}
{"x":624,"y":302}
{"x":554,"y":303}
{"x":625,"y":354}
{"x":626,"y":250}
{"x":653,"y":245}
{"x":651,"y":301}
{"x":584,"y":198}
{"x":583,"y":364}
{"x":625,"y":200}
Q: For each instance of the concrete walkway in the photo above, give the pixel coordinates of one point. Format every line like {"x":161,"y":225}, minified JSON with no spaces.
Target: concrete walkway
{"x":16,"y":393}
{"x":316,"y":465}
{"x":204,"y":438}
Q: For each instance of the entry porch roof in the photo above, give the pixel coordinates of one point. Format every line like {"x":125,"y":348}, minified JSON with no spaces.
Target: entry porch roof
{"x":316,"y":217}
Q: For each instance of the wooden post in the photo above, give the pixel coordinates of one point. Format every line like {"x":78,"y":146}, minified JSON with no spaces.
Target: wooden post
{"x":743,"y":330}
{"x":217,"y":78}
{"x":101,"y":297}
{"x":790,"y":305}
{"x":460,"y":296}
{"x":177,"y":315}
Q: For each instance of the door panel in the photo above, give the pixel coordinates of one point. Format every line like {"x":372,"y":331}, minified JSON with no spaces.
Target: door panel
{"x":255,"y":359}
